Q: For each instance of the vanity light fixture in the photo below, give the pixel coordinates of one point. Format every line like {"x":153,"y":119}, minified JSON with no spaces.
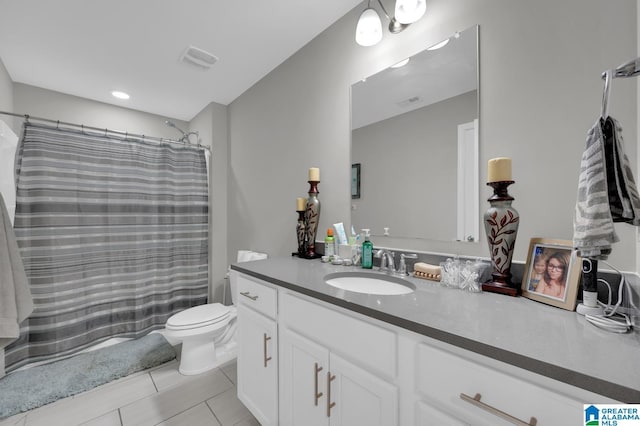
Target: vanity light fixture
{"x":409,"y":11}
{"x":369,"y":27}
{"x":120,"y":95}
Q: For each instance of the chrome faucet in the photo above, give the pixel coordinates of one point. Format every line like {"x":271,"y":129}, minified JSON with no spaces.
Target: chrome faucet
{"x":402,"y":268}
{"x":387,"y":262}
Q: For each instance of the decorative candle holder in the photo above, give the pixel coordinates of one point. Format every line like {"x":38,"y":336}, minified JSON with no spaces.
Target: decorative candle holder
{"x":501,"y":225}
{"x":300,"y":233}
{"x":311,"y":219}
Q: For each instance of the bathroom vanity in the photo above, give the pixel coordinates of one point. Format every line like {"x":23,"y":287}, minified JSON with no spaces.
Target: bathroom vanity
{"x":313,"y":354}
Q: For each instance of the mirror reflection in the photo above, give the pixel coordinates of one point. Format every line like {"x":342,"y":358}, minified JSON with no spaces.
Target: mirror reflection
{"x":415,"y":140}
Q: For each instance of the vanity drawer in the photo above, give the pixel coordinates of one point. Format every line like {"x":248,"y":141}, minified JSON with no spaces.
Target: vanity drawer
{"x":256,"y":295}
{"x":362,"y":342}
{"x":451,"y":382}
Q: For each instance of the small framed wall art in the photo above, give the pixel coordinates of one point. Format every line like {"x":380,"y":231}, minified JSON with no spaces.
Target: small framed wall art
{"x":552,"y":273}
{"x":355,"y":180}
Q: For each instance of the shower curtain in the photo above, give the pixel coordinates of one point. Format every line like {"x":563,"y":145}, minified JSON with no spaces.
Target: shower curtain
{"x":113,"y":234}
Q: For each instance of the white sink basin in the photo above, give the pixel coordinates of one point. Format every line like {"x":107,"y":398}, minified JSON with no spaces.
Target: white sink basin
{"x":369,"y":283}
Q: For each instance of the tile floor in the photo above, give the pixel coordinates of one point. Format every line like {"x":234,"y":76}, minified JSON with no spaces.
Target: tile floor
{"x":159,"y":396}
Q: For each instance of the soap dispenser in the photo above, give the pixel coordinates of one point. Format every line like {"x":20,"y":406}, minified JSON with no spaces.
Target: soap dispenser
{"x":367,"y":251}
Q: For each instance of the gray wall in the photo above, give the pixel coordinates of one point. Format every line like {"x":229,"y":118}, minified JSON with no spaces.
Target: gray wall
{"x":540,"y":91}
{"x":409,"y":169}
{"x":6,"y":96}
{"x":211,"y":122}
{"x":52,"y":105}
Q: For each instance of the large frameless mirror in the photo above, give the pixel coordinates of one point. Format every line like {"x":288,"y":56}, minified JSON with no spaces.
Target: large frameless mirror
{"x":414,"y":142}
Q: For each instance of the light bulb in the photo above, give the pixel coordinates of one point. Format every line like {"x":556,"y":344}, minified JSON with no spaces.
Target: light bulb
{"x":369,"y":28}
{"x":409,"y":11}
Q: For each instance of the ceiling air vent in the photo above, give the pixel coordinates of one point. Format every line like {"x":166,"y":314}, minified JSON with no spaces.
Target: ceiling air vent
{"x":198,"y":57}
{"x":409,"y":102}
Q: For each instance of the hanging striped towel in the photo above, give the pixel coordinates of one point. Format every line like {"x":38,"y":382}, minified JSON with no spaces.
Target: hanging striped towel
{"x":623,"y":193}
{"x":606,"y":191}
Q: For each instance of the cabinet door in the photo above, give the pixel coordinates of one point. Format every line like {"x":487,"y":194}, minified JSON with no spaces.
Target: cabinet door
{"x":360,"y":397}
{"x":303,"y":376}
{"x":258,"y":365}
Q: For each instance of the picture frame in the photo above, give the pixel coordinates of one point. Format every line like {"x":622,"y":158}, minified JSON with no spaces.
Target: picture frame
{"x":355,"y":181}
{"x":552,"y":273}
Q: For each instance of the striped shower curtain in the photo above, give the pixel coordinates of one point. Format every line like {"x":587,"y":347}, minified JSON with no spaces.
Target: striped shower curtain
{"x":113,"y":234}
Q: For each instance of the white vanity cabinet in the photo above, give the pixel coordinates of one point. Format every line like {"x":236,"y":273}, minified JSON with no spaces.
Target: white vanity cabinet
{"x":467,"y":388}
{"x":257,"y":348}
{"x":303,"y":361}
{"x":330,"y":372}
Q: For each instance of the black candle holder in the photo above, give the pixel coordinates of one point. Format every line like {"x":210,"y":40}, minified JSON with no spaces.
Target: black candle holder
{"x":300,"y":233}
{"x":312,"y":219}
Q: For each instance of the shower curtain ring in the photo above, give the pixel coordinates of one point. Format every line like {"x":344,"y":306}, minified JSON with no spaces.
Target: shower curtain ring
{"x":58,"y":125}
{"x":105,"y":132}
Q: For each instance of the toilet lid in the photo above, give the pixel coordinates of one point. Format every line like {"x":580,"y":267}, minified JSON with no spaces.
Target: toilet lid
{"x":199,"y":316}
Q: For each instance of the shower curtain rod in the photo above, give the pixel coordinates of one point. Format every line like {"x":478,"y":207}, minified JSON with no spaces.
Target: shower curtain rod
{"x":106,"y":131}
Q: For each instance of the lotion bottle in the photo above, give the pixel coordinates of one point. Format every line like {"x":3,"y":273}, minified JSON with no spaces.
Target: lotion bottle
{"x":329,"y":244}
{"x":367,"y":251}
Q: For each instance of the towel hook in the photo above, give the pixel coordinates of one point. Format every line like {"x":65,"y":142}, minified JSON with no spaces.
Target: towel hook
{"x":607,"y":75}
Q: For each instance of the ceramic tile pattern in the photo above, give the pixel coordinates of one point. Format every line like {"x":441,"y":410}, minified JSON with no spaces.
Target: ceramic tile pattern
{"x":159,"y":396}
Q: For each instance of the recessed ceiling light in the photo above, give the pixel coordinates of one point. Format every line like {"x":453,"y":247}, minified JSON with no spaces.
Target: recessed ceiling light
{"x":400,"y":64}
{"x":437,"y":46}
{"x":120,"y":95}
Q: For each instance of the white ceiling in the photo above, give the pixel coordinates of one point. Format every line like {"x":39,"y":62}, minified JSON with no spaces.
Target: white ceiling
{"x":88,"y":48}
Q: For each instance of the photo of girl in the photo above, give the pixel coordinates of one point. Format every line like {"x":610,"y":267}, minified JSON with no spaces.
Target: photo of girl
{"x":552,"y":273}
{"x":539,"y":267}
{"x":554,"y":278}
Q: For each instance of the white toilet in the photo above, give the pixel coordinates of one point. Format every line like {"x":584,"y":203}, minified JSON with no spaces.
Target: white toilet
{"x":207,"y":333}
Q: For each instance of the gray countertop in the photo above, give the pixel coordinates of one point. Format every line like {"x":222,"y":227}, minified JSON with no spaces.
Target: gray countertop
{"x":550,"y":341}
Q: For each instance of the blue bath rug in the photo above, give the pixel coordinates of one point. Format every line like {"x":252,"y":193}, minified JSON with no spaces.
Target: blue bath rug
{"x":31,"y":388}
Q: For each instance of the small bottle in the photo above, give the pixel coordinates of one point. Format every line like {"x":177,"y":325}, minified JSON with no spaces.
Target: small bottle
{"x":367,"y":251}
{"x":329,"y":244}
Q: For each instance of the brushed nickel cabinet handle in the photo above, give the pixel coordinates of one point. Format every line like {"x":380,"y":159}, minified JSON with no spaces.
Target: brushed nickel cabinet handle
{"x":248,"y":294}
{"x":486,"y":407}
{"x":330,"y":404}
{"x":266,"y":359}
{"x":316,"y":394}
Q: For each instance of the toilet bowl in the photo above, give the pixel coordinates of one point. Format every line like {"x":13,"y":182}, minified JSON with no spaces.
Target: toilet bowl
{"x":207,"y":334}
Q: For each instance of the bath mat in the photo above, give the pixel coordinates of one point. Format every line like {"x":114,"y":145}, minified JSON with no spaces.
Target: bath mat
{"x":27,"y":389}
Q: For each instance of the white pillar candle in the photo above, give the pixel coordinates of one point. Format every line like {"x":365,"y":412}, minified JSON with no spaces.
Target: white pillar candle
{"x":314,"y":174}
{"x":301,"y":204}
{"x":499,"y":169}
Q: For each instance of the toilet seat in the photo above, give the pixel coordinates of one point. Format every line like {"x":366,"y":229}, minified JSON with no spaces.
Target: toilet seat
{"x":199,"y":316}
